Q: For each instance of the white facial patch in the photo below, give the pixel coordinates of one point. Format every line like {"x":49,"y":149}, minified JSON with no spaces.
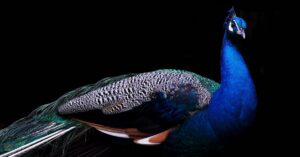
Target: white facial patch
{"x":230,"y":27}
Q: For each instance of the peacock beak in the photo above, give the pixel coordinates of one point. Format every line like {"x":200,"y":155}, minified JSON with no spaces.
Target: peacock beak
{"x":242,"y":33}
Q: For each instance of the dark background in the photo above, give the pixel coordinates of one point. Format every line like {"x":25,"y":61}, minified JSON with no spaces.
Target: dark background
{"x":54,"y":48}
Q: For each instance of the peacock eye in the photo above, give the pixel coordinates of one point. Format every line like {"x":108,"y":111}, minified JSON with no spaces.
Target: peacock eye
{"x":233,"y":24}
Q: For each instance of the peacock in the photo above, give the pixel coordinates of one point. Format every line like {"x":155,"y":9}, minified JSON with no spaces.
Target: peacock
{"x":181,"y":112}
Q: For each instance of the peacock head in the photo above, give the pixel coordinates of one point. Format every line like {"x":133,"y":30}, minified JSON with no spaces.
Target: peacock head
{"x":234,"y":24}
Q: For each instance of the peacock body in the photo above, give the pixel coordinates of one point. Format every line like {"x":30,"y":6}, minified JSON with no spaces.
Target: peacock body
{"x":189,"y":115}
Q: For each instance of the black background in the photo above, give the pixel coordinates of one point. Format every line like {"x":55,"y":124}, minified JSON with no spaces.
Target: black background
{"x":54,"y":48}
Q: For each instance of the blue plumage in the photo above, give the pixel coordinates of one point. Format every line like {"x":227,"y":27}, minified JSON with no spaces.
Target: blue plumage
{"x":231,"y":109}
{"x":240,"y":22}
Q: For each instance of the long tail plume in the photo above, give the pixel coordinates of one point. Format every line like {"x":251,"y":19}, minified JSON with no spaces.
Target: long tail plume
{"x":44,"y":125}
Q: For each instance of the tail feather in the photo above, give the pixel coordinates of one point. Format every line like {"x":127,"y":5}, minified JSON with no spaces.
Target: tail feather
{"x":44,"y":124}
{"x":36,"y":143}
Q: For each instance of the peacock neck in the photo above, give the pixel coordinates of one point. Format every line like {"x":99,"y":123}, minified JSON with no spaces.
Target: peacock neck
{"x":233,"y":104}
{"x":231,"y":108}
{"x":234,"y":72}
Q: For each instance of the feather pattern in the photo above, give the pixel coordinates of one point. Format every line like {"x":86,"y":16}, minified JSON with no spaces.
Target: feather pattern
{"x":125,"y":94}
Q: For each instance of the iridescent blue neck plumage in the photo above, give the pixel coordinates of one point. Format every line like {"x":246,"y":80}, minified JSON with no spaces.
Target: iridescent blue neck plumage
{"x":233,"y":105}
{"x":233,"y":68}
{"x":230,"y":111}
